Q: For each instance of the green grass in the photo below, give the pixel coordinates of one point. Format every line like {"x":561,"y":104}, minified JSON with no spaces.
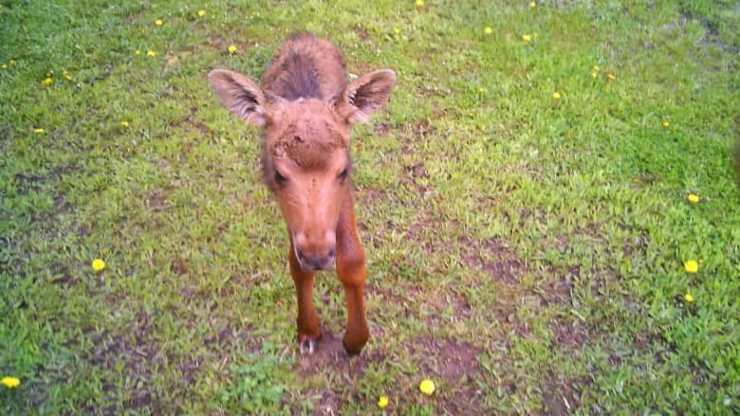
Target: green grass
{"x":525,"y":253}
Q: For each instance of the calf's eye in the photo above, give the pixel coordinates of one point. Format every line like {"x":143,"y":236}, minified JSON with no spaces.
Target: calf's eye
{"x":280,"y":179}
{"x":343,"y":174}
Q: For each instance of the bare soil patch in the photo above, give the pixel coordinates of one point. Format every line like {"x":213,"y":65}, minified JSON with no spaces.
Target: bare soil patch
{"x":330,"y":354}
{"x":493,"y":257}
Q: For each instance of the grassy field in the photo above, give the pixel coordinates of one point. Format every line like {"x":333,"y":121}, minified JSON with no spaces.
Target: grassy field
{"x":526,"y":249}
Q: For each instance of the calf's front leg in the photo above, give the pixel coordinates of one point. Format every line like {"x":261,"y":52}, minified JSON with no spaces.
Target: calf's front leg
{"x":309,"y":330}
{"x":352,"y":272}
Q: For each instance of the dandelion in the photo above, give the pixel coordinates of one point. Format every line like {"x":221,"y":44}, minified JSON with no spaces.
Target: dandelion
{"x":12,"y":62}
{"x":4,"y":66}
{"x":67,"y":76}
{"x":526,"y":38}
{"x":98,"y":265}
{"x":427,"y":386}
{"x":693,"y":198}
{"x":488,"y":30}
{"x":611,"y":77}
{"x":158,"y":22}
{"x":594,"y":74}
{"x":532,"y":4}
{"x":556,"y":95}
{"x":151,"y":53}
{"x":688,"y":297}
{"x":665,"y":124}
{"x":691,"y":266}
{"x":137,"y":52}
{"x":419,"y":3}
{"x":47,"y":81}
{"x":383,"y":402}
{"x":10,"y":382}
{"x":124,"y":124}
{"x":201,"y":13}
{"x":232,"y":49}
{"x":595,"y":68}
{"x":39,"y":131}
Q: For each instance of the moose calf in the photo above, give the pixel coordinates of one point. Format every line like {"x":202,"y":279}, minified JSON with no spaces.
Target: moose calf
{"x":306,"y":109}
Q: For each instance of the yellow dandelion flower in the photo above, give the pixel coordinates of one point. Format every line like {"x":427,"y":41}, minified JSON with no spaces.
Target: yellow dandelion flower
{"x":124,"y":124}
{"x":98,"y":265}
{"x":594,"y":74}
{"x":12,"y":62}
{"x":383,"y":402}
{"x":232,"y":49}
{"x":39,"y":131}
{"x":691,"y":266}
{"x":47,"y":81}
{"x":4,"y":66}
{"x":611,"y":76}
{"x":137,"y":52}
{"x":526,"y":38}
{"x":488,"y":30}
{"x":693,"y":198}
{"x":532,"y":4}
{"x":201,"y":13}
{"x":665,"y":124}
{"x":158,"y":22}
{"x":427,"y":387}
{"x":151,"y":53}
{"x":556,"y":95}
{"x":688,"y":297}
{"x":10,"y":382}
{"x":419,"y":3}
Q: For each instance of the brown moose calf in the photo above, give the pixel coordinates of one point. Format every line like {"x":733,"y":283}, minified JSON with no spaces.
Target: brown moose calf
{"x":307,"y":109}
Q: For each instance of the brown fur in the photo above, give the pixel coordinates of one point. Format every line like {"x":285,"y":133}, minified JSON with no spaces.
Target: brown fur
{"x":307,"y":108}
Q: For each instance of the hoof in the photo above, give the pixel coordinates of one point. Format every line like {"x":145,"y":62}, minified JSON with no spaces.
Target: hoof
{"x":307,"y":345}
{"x":353,"y":348}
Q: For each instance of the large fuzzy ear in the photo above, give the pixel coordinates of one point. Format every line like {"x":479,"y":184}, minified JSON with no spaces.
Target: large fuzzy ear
{"x":365,"y":95}
{"x":240,"y":95}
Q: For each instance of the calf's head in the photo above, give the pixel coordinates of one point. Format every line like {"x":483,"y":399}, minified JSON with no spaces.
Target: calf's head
{"x":305,"y":156}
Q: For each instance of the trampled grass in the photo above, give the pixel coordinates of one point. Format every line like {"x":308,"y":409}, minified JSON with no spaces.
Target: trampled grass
{"x":526,"y":251}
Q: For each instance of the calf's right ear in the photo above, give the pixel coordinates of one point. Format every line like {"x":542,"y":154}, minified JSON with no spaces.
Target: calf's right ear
{"x":240,"y":95}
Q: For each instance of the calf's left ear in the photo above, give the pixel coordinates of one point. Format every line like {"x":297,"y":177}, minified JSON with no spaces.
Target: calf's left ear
{"x":240,"y":95}
{"x":365,"y":95}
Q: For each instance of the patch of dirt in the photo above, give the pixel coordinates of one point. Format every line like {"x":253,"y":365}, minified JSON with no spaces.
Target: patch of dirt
{"x":189,"y":369}
{"x":561,"y":396}
{"x":179,"y":266}
{"x":465,"y":401}
{"x":387,"y":294}
{"x":26,"y":182}
{"x":382,"y":129}
{"x":362,"y":32}
{"x":157,"y":201}
{"x":369,"y":196}
{"x":462,"y":308}
{"x":330,"y":354}
{"x":492,"y":257}
{"x":559,"y":291}
{"x":328,"y":404}
{"x":415,"y":232}
{"x":447,"y":358}
{"x":571,"y":335}
{"x":416,"y":177}
{"x":136,"y":354}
